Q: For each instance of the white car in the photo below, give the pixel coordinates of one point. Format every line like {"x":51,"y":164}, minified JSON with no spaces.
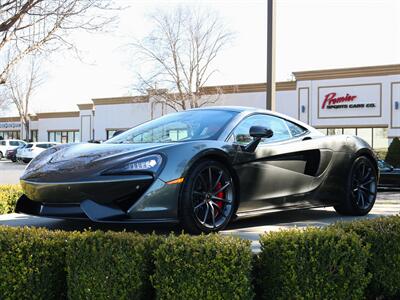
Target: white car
{"x":31,"y":150}
{"x":9,"y":145}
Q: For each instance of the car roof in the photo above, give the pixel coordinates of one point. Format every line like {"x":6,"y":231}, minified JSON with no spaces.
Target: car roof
{"x":230,"y":108}
{"x":251,"y":110}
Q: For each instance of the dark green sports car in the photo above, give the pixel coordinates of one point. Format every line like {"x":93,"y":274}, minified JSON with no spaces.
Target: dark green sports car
{"x":202,"y":168}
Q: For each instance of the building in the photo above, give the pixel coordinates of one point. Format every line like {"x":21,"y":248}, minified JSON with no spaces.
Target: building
{"x":363,"y":101}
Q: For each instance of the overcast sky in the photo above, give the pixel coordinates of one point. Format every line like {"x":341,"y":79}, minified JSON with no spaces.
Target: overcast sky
{"x":311,"y":34}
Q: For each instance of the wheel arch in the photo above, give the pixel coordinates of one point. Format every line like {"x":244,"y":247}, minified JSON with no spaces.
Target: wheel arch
{"x":368,"y":153}
{"x":219,"y":156}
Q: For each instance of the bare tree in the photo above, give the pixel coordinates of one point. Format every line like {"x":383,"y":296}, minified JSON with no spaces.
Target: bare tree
{"x":19,"y":89}
{"x":31,"y":26}
{"x":178,"y":55}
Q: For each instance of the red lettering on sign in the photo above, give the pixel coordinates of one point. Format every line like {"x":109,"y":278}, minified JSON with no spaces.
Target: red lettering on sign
{"x":331,"y":99}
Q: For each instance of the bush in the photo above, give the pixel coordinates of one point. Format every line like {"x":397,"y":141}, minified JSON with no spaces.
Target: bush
{"x":312,"y":264}
{"x":110,"y":265}
{"x":32,"y":264}
{"x":203,"y":267}
{"x":9,"y":195}
{"x":383,"y":236}
{"x":393,"y":154}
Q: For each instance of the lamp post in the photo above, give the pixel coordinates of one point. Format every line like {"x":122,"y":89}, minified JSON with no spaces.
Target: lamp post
{"x":270,"y":95}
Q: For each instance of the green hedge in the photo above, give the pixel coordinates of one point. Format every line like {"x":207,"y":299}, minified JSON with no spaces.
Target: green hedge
{"x":32,"y":264}
{"x":203,"y":267}
{"x":393,"y":154}
{"x":345,"y":261}
{"x":110,"y":265}
{"x":312,"y":264}
{"x":383,"y":236}
{"x":9,"y":195}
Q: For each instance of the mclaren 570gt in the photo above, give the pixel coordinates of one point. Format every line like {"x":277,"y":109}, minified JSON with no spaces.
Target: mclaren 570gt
{"x":203,"y":168}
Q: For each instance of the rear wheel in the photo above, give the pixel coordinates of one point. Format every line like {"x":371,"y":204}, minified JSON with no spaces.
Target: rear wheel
{"x":361,"y":188}
{"x":1,"y":155}
{"x":208,"y":198}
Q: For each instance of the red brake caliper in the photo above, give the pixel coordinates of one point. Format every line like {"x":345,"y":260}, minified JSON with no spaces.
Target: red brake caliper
{"x":220,"y":195}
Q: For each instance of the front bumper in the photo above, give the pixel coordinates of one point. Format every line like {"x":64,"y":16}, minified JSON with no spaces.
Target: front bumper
{"x":133,"y":199}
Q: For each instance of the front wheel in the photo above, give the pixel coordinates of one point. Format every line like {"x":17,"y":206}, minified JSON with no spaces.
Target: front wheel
{"x":361,"y":188}
{"x":208,"y":198}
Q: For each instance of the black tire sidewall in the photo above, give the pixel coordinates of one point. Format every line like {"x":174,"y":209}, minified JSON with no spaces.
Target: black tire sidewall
{"x":355,"y":210}
{"x":187,"y":217}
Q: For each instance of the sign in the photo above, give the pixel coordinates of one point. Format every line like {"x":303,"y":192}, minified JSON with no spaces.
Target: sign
{"x":10,"y":125}
{"x":350,"y":101}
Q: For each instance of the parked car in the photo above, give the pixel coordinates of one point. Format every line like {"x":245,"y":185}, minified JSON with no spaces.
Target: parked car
{"x":31,"y":150}
{"x":390,"y":176}
{"x":202,"y":168}
{"x":9,"y":145}
{"x":12,"y":154}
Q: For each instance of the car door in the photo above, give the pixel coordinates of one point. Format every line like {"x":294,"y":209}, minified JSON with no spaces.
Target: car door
{"x":3,"y":147}
{"x":282,"y":166}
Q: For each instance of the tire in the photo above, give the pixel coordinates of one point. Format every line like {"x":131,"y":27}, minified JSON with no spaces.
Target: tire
{"x":208,"y":198}
{"x":1,"y":155}
{"x":361,"y":189}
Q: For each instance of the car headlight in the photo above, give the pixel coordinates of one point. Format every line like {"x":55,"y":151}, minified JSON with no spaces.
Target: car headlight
{"x":150,"y":163}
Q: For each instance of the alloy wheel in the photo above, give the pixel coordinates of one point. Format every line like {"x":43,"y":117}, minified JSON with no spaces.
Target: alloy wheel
{"x":212,"y":197}
{"x":364,"y":185}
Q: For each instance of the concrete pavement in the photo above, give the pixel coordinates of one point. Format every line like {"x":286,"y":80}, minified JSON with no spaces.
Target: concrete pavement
{"x":10,"y":172}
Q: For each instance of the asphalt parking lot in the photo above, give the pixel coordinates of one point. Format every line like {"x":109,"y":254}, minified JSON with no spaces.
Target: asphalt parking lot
{"x":10,"y":172}
{"x":387,"y":203}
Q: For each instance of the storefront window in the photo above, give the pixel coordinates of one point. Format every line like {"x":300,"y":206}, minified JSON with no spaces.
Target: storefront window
{"x":380,"y":138}
{"x":349,"y":131}
{"x":64,"y":136}
{"x":335,"y":131}
{"x":34,"y":135}
{"x":110,"y":133}
{"x":365,"y":134}
{"x":8,"y":135}
{"x":376,"y":137}
{"x":323,"y":130}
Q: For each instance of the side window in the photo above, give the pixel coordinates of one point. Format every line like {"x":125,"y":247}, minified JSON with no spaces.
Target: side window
{"x":277,"y":125}
{"x":2,"y":143}
{"x":295,"y":129}
{"x":14,"y":143}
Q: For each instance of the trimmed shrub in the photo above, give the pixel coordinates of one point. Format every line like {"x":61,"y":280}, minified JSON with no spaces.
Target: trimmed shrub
{"x":383,"y":236}
{"x":203,"y":267}
{"x":9,"y":195}
{"x":393,"y":154}
{"x":32,"y":264}
{"x":111,"y":265}
{"x":311,"y":264}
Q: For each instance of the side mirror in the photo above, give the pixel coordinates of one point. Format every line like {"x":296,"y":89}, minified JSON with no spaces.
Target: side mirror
{"x":257,"y":132}
{"x":260,"y":132}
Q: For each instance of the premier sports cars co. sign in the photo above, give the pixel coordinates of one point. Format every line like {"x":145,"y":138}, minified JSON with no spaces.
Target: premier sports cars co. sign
{"x":349,"y":101}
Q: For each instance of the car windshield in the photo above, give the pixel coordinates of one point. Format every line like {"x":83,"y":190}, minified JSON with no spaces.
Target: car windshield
{"x":177,"y":127}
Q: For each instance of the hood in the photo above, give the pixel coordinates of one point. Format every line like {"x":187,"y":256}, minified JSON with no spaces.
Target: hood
{"x":95,"y":152}
{"x":74,"y":160}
